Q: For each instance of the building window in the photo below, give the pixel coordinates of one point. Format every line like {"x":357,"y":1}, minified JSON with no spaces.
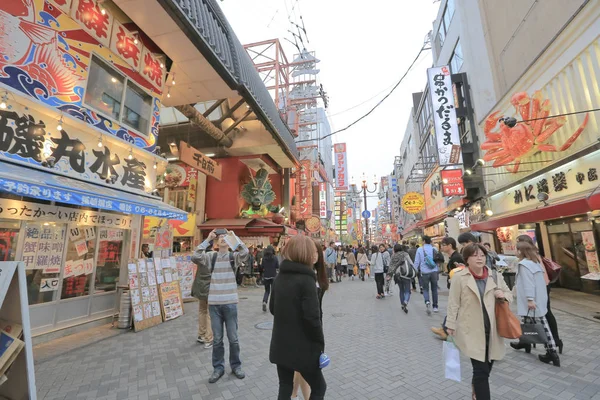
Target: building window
{"x":445,"y":22}
{"x":117,"y":97}
{"x":456,"y":61}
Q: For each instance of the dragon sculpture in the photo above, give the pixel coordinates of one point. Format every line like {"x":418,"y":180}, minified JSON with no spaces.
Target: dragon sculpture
{"x":258,"y":193}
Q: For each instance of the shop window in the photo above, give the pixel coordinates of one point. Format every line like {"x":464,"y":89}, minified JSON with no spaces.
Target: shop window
{"x":79,"y":265}
{"x":9,"y":235}
{"x":445,"y":22}
{"x":42,"y":254}
{"x":117,"y":97}
{"x":179,"y":199}
{"x":110,"y":258}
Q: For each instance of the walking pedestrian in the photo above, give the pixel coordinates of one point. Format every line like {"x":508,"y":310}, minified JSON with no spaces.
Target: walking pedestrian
{"x":412,"y":252}
{"x":378,"y":261}
{"x":532,"y":298}
{"x":222,"y":300}
{"x":426,"y":263}
{"x":468,"y":238}
{"x":448,"y":246}
{"x":331,"y":259}
{"x":341,"y":263}
{"x":401,"y":271}
{"x":549,"y":315}
{"x":200,"y":289}
{"x":270,"y":266}
{"x":471,"y":316}
{"x":362,"y":261}
{"x":297,"y":340}
{"x":351,"y":263}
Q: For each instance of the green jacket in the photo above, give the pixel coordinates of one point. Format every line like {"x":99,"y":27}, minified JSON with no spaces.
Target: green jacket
{"x":201,"y":284}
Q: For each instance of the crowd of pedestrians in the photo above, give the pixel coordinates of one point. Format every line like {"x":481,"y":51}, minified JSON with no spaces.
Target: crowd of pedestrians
{"x":296,"y":280}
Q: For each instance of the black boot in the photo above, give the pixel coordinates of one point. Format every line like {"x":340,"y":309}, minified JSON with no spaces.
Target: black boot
{"x":519,"y":346}
{"x":550,"y":357}
{"x":559,"y":344}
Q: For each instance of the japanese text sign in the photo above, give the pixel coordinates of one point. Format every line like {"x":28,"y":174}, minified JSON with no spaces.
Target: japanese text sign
{"x":199,"y":161}
{"x":322,"y":200}
{"x":435,"y":202}
{"x":452,"y":182}
{"x":413,"y":202}
{"x":341,"y":166}
{"x":305,"y":188}
{"x":444,"y":115}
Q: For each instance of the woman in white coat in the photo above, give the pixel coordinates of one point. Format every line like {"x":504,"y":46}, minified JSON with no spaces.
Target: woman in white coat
{"x":471,"y":316}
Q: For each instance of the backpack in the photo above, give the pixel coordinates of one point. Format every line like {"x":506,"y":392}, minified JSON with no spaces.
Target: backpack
{"x":214,"y":261}
{"x":433,"y":263}
{"x":405,"y":271}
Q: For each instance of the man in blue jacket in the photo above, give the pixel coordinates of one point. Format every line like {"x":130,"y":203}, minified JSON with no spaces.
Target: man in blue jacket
{"x":425,"y":263}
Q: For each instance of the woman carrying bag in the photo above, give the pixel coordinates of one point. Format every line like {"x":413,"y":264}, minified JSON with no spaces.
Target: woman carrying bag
{"x":471,"y":319}
{"x":351,"y":263}
{"x":363,"y":261}
{"x":532,"y":300}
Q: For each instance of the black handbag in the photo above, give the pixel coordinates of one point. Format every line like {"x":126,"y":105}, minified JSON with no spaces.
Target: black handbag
{"x":533,"y":331}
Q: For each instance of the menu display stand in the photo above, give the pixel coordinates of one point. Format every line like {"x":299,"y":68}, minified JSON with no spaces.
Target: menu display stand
{"x":14,"y":307}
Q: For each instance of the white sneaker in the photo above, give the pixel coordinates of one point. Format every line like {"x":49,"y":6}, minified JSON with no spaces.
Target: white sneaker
{"x":208,"y":345}
{"x":428,"y":308}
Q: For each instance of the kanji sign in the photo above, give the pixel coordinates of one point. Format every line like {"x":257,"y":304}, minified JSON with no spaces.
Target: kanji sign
{"x":341,"y":166}
{"x":304,"y":189}
{"x":199,"y":161}
{"x":452,"y":182}
{"x":413,"y":202}
{"x":444,"y":115}
{"x":322,"y":200}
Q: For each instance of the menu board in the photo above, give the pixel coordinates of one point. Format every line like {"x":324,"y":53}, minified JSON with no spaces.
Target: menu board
{"x":186,"y":270}
{"x":170,"y":300}
{"x":43,"y":247}
{"x":144,"y":295}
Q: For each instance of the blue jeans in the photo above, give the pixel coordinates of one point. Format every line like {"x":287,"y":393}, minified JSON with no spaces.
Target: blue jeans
{"x":430,"y":279}
{"x":404,"y":285}
{"x":225,"y":314}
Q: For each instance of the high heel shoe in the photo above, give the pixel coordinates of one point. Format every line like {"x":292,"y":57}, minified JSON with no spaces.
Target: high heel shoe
{"x":559,"y":344}
{"x":550,"y":358}
{"x":519,"y":346}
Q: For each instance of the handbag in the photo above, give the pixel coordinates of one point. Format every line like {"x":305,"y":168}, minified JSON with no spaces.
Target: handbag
{"x":533,"y":332}
{"x":508,"y":325}
{"x":451,"y":360}
{"x":552,"y":269}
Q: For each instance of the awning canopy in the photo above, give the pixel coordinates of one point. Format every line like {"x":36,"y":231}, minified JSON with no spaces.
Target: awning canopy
{"x":580,"y":205}
{"x":231,"y":223}
{"x":245,"y":227}
{"x":431,"y":221}
{"x":42,"y":185}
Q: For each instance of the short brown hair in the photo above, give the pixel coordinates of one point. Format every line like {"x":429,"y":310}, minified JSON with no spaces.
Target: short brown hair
{"x":471,"y":249}
{"x":300,"y":249}
{"x":525,"y":238}
{"x":526,"y":250}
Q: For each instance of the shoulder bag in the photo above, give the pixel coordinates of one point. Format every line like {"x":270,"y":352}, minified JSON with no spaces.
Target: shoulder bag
{"x":552,"y":269}
{"x":507,"y":323}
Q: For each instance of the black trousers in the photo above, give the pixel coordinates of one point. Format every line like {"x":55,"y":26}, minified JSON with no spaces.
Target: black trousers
{"x":379,"y":280}
{"x":481,"y":374}
{"x":268,"y":283}
{"x":315,"y":380}
{"x":552,"y":320}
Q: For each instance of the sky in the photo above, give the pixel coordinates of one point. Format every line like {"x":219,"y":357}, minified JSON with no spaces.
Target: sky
{"x":364,"y":51}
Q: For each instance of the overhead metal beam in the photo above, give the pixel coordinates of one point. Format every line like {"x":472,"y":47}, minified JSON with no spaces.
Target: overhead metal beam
{"x":236,"y":123}
{"x":212,"y":108}
{"x":196,"y":118}
{"x":230,"y":112}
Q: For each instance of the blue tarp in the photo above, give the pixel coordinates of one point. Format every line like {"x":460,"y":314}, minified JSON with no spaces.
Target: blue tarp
{"x":42,"y":185}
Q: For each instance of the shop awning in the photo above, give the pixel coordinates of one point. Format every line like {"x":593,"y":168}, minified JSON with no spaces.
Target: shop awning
{"x":581,"y":205}
{"x":431,"y":221}
{"x":231,"y":224}
{"x":42,"y":185}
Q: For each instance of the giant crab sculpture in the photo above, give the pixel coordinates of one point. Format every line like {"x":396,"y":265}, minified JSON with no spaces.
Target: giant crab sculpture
{"x":511,"y":145}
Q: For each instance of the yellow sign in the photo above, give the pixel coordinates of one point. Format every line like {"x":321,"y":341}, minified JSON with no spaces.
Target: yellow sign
{"x":413,"y":202}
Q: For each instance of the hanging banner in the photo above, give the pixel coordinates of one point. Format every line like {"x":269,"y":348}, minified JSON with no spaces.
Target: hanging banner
{"x":305,"y":189}
{"x":322,"y":200}
{"x":341,"y":166}
{"x":199,"y":161}
{"x":452,"y":182}
{"x":444,"y":115}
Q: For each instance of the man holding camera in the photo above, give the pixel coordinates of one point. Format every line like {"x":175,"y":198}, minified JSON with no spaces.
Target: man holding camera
{"x":215,"y":279}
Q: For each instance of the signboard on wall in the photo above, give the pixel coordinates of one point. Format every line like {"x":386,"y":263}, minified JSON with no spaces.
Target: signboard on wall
{"x":199,"y":161}
{"x":341,"y":166}
{"x":452,"y":182}
{"x":435,"y":202}
{"x":322,"y":200}
{"x":444,"y":115}
{"x":413,"y":202}
{"x":304,"y":189}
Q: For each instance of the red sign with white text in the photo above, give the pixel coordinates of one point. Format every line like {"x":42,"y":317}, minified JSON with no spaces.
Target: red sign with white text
{"x":452,"y":182}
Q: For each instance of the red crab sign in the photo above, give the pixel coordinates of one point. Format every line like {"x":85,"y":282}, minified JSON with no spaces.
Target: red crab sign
{"x":509,"y":146}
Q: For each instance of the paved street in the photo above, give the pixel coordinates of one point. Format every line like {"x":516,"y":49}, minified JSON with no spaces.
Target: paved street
{"x":377,"y":352}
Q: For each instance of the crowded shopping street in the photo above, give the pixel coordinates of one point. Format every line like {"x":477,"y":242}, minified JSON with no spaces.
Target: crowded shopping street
{"x":376,"y":351}
{"x":299,"y":199}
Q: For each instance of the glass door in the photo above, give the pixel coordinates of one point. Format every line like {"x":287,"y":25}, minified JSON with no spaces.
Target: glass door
{"x":564,"y":253}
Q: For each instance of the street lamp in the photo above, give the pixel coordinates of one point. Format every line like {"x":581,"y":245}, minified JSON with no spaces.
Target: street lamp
{"x":364,"y":190}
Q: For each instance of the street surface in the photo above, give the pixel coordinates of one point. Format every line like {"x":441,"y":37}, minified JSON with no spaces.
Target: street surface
{"x":376,"y":351}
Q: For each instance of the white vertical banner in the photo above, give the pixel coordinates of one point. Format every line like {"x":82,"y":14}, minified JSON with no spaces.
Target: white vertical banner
{"x":322,"y":200}
{"x":341,"y":166}
{"x":444,"y":115}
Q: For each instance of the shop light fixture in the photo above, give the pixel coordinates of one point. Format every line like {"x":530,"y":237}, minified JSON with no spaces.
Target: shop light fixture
{"x":130,"y":156}
{"x":468,"y":171}
{"x":100,"y":144}
{"x":155,"y":165}
{"x":210,"y":154}
{"x":173,"y":78}
{"x":445,"y":180}
{"x":489,"y":212}
{"x":102,"y":11}
{"x":113,"y":79}
{"x":59,"y":127}
{"x":3,"y":103}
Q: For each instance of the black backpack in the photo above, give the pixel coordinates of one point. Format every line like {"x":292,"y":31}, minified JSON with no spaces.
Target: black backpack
{"x":214,"y":261}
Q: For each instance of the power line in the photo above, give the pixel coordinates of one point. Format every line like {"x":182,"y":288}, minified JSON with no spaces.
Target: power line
{"x":376,"y":105}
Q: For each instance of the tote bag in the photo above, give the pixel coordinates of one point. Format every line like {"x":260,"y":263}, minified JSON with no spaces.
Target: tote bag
{"x":451,"y":360}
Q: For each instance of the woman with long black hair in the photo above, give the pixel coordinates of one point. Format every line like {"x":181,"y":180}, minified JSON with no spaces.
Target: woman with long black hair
{"x":270,"y":266}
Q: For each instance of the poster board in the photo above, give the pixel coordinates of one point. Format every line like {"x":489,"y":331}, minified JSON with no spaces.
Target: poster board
{"x":186,"y":270}
{"x":170,"y":300}
{"x":19,"y":377}
{"x":145,"y":300}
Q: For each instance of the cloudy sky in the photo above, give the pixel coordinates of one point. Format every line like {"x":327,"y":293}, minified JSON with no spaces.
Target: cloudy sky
{"x":364,"y":50}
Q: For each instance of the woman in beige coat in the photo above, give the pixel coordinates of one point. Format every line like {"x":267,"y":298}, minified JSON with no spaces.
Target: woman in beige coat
{"x":472,"y":321}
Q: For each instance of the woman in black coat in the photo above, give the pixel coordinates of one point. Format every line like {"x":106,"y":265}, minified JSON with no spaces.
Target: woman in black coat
{"x":270,"y":266}
{"x":297,"y":340}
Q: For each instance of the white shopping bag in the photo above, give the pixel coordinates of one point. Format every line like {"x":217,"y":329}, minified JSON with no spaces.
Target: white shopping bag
{"x":451,"y":361}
